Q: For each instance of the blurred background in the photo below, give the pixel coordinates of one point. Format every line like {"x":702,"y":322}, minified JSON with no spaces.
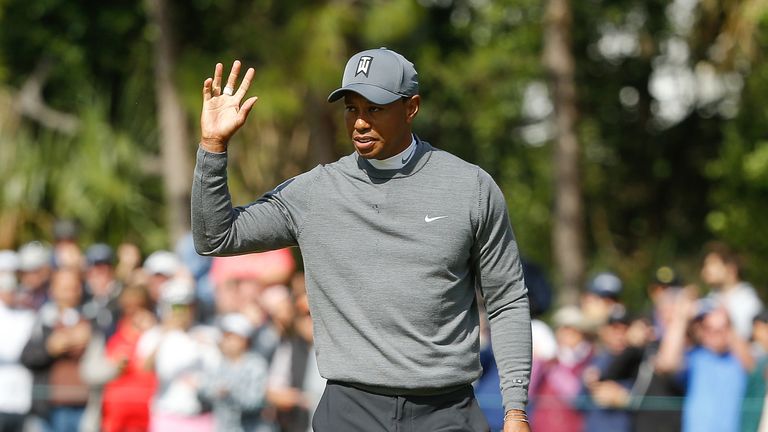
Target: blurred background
{"x":625,"y":134}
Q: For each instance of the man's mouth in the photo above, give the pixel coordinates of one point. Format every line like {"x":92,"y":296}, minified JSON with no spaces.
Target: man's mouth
{"x":364,"y":142}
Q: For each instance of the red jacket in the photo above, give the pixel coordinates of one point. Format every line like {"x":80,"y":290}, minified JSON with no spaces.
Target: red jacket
{"x":127,"y":397}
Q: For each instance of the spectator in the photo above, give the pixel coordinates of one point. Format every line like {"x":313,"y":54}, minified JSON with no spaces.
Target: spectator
{"x":602,"y":298}
{"x":16,"y":325}
{"x":314,"y":384}
{"x":115,"y":367}
{"x":721,"y":270}
{"x":159,"y":267}
{"x":66,"y":252}
{"x":488,"y":387}
{"x":658,"y":392}
{"x":241,"y":293}
{"x":128,"y":268}
{"x":715,"y":367}
{"x":102,"y":288}
{"x":754,"y":395}
{"x":199,"y":267}
{"x":179,"y":352}
{"x":556,"y":395}
{"x":34,"y":274}
{"x":237,"y":388}
{"x":289,"y":363}
{"x":54,"y":351}
{"x":609,"y":390}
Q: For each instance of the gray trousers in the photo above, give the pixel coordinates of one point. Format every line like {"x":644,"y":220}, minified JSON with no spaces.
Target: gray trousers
{"x":344,"y":408}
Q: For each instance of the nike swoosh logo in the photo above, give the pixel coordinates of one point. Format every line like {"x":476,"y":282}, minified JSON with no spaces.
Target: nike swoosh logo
{"x":405,"y":160}
{"x":428,"y":219}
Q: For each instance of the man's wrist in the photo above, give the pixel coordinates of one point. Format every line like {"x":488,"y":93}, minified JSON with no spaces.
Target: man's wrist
{"x":516,"y":415}
{"x":213,"y":145}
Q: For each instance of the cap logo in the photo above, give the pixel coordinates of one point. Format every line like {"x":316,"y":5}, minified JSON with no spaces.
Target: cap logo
{"x":363,"y":65}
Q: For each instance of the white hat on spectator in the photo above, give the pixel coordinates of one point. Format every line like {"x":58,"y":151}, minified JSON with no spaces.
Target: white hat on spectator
{"x":177,"y":291}
{"x":33,"y":256}
{"x":238,"y":324}
{"x":9,"y":261}
{"x":8,"y":282}
{"x":572,"y":317}
{"x":162,"y":262}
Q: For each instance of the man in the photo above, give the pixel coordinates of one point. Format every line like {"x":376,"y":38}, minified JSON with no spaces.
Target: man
{"x":721,"y":270}
{"x":102,"y":289}
{"x":602,"y":298}
{"x":54,"y":352}
{"x":395,"y":238}
{"x":34,"y":275}
{"x":15,"y":379}
{"x":714,"y":370}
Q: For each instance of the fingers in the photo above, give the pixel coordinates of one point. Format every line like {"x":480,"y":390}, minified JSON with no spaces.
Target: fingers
{"x":246,"y":108}
{"x":246,"y":84}
{"x":217,"y":73}
{"x":234,"y":72}
{"x":212,"y":86}
{"x":207,"y":89}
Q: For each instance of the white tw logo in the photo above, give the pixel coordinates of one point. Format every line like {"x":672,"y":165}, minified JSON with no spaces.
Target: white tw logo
{"x":364,"y":65}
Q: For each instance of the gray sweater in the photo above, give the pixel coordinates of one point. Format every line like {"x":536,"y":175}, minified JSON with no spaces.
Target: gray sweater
{"x":392,"y":259}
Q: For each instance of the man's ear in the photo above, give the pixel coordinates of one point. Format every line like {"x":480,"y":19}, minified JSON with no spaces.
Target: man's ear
{"x":412,"y":107}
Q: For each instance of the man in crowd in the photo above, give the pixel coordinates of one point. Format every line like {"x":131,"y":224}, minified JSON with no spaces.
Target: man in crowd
{"x":396,"y":237}
{"x":721,"y":270}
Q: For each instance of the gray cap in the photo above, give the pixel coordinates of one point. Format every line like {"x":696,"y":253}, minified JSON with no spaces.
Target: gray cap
{"x":380,"y":75}
{"x":99,"y":253}
{"x":605,"y":284}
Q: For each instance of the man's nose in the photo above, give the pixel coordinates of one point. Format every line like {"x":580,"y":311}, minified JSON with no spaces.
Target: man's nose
{"x":361,"y":123}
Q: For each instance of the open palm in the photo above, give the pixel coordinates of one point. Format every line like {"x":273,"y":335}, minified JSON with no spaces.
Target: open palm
{"x":223,"y":114}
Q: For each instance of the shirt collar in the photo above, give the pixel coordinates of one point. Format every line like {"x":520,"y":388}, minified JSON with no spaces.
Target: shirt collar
{"x":397,"y":161}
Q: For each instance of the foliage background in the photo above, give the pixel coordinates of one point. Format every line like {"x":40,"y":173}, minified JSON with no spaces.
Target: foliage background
{"x":672,"y":119}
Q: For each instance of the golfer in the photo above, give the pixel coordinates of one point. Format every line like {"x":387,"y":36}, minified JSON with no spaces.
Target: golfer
{"x":396,"y":238}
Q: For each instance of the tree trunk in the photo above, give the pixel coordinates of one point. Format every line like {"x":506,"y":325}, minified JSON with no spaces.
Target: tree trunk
{"x":567,"y":236}
{"x":173,"y":134}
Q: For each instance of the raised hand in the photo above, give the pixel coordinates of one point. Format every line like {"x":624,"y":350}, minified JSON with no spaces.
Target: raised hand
{"x":222,"y":114}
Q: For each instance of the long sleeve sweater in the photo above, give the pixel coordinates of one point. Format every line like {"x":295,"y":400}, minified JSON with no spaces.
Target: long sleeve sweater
{"x":392,"y":261}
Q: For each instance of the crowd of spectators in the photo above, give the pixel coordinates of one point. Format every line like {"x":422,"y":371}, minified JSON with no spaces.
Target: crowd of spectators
{"x":694,"y":361}
{"x":102,"y":339}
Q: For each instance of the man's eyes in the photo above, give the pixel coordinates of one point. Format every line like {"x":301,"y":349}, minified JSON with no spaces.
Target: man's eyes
{"x":369,"y":109}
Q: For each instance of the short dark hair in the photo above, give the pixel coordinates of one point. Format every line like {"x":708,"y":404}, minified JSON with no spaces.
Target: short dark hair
{"x":725,"y":253}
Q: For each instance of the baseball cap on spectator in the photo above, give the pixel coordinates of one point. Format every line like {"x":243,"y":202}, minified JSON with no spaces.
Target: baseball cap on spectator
{"x":573,"y":317}
{"x":619,"y":316}
{"x":605,"y":284}
{"x":666,"y":276}
{"x":99,"y":253}
{"x":9,"y":261}
{"x":380,"y":75}
{"x":162,"y":262}
{"x":177,"y":291}
{"x":704,"y":306}
{"x":8,"y":282}
{"x":762,"y":316}
{"x":238,"y":324}
{"x":33,"y":256}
